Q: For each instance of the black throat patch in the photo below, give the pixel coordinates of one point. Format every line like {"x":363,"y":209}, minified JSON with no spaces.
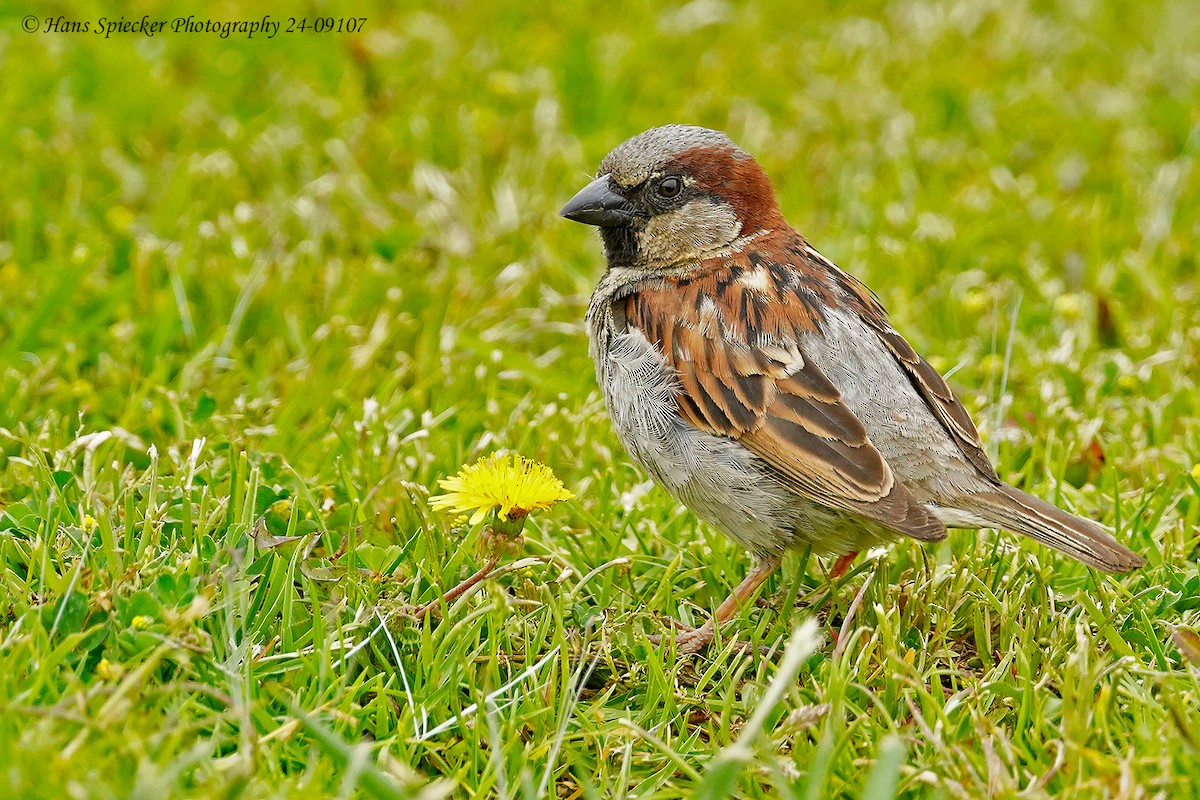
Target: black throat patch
{"x":620,"y":246}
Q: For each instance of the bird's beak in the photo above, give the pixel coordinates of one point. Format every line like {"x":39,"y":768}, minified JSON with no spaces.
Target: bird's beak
{"x":597,"y":204}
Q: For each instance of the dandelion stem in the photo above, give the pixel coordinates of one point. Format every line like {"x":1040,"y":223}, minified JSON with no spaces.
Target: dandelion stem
{"x":452,"y":595}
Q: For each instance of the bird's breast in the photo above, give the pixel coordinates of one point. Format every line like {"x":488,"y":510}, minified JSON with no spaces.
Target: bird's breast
{"x":640,"y":390}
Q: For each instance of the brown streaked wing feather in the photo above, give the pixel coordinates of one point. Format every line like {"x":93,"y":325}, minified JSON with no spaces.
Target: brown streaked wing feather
{"x":941,"y":401}
{"x":930,"y":385}
{"x":755,"y":385}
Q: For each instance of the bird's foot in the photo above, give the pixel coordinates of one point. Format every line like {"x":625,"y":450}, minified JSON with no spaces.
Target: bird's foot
{"x":693,"y":640}
{"x":689,"y":640}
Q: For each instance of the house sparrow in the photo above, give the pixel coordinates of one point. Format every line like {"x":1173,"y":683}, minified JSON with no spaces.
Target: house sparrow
{"x":765,"y":388}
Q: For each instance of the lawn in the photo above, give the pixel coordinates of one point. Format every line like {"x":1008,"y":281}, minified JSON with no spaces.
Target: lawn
{"x":254,"y":289}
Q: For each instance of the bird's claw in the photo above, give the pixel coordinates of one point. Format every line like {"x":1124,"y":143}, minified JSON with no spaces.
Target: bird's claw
{"x":689,"y":640}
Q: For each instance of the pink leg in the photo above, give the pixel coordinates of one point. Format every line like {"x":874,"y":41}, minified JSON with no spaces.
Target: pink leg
{"x":842,"y":564}
{"x":693,"y":640}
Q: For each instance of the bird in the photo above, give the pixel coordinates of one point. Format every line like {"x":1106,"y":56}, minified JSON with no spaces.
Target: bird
{"x":765,"y":388}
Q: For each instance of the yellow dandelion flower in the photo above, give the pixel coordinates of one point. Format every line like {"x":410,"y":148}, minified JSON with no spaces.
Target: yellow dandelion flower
{"x":976,"y":302}
{"x":109,"y":670}
{"x":509,"y":485}
{"x":1069,"y":306}
{"x":1196,"y":471}
{"x":120,"y":218}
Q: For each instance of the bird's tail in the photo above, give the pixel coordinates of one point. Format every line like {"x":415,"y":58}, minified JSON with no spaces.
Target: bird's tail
{"x":1014,"y":510}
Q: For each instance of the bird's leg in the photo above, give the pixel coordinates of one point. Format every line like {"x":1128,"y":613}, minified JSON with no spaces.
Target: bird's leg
{"x":842,"y":565}
{"x":693,"y":640}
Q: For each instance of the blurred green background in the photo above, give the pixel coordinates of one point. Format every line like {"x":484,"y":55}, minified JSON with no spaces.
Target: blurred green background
{"x":335,"y":261}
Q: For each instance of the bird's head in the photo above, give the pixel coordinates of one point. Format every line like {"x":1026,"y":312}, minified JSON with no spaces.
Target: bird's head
{"x":674,"y":195}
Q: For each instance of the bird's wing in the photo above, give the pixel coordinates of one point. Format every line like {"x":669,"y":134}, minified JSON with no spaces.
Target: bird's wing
{"x":930,"y":385}
{"x":732,"y":335}
{"x":941,"y":401}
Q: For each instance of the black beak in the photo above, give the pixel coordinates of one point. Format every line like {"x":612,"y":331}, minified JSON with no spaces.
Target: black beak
{"x":597,"y":204}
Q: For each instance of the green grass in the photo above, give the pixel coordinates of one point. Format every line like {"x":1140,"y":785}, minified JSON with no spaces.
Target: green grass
{"x":285,"y":285}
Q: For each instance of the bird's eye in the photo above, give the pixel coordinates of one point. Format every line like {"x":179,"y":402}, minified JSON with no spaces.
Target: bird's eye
{"x":669,"y":187}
